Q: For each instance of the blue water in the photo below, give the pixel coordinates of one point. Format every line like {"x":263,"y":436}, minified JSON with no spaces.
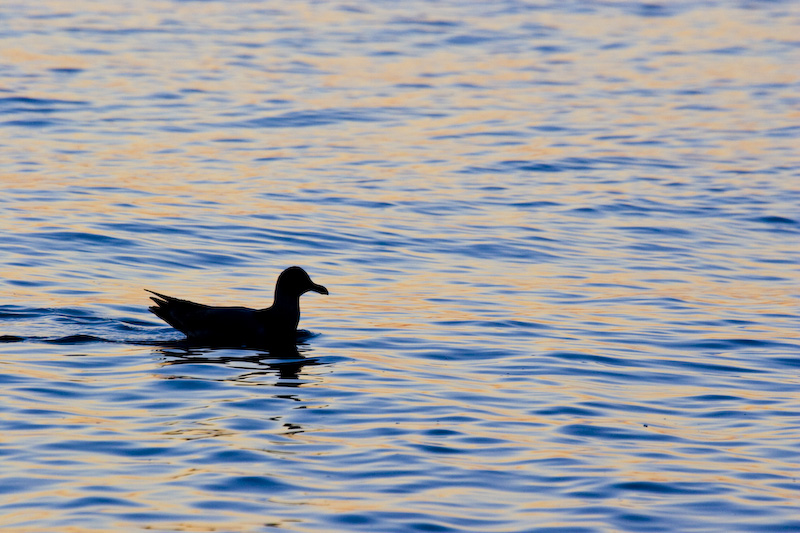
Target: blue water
{"x":562,"y":242}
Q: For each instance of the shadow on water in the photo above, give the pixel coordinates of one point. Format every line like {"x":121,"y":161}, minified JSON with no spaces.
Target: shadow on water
{"x":280,"y":350}
{"x":285,"y":361}
{"x":81,"y":326}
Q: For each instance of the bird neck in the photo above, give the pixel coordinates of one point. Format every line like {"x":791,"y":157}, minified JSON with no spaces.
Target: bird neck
{"x":286,"y":299}
{"x":288,"y":305}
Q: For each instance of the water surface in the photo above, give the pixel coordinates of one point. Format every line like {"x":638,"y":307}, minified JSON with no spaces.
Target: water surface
{"x":561,"y":241}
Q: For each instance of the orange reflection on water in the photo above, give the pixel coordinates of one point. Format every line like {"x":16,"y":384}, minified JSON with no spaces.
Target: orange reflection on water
{"x":26,"y":58}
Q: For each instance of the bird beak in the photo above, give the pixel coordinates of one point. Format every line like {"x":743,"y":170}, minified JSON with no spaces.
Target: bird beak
{"x":319,"y":288}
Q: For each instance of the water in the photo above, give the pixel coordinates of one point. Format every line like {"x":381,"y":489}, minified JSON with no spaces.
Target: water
{"x":561,"y":241}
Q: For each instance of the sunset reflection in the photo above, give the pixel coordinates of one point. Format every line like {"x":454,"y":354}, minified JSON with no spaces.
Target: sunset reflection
{"x":560,"y":243}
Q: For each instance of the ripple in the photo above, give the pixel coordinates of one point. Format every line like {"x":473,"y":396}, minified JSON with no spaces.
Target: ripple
{"x":250,"y":484}
{"x":562,"y":266}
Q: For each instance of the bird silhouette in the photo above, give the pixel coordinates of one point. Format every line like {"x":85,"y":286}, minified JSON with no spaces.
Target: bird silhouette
{"x":241,"y":326}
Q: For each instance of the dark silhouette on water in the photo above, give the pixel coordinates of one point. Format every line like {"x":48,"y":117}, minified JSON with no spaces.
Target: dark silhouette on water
{"x":286,"y":364}
{"x":241,"y":326}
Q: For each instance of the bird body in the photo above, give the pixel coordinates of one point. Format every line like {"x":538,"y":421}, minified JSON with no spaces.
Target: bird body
{"x":241,"y":326}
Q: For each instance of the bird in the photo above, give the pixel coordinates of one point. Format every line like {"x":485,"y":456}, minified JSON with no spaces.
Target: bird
{"x":241,"y":326}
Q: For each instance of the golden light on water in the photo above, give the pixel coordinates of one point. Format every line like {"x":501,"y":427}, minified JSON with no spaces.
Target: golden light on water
{"x":559,"y":246}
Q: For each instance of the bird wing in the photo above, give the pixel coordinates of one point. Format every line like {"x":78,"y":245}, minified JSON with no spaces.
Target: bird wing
{"x":180,"y":314}
{"x":206,"y":322}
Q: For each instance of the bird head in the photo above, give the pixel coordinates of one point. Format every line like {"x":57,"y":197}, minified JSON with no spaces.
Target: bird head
{"x":296,"y":281}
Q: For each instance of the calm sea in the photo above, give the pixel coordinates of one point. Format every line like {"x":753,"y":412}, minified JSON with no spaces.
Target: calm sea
{"x":561,"y":239}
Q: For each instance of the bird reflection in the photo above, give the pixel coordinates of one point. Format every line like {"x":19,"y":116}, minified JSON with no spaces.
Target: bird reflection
{"x":286,"y":363}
